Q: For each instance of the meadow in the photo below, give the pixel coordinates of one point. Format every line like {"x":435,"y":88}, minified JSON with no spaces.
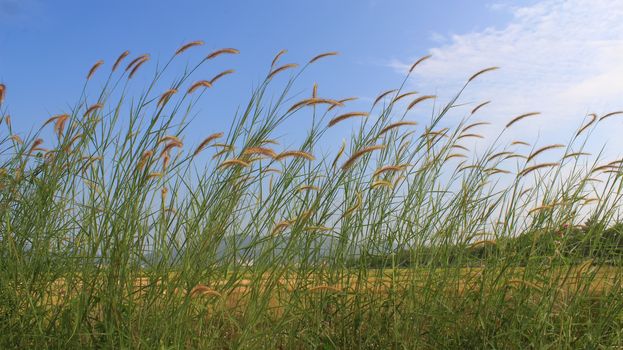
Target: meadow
{"x":116,"y":232}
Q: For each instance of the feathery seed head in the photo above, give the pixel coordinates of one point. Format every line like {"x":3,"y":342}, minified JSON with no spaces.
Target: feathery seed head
{"x":482,"y":72}
{"x":417,"y":63}
{"x":188,"y":46}
{"x":326,"y":54}
{"x":281,"y":69}
{"x":345,"y":116}
{"x":221,"y":52}
{"x":94,"y":68}
{"x":119,"y":59}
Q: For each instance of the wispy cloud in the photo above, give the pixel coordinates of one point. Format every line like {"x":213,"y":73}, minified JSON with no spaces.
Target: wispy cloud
{"x":561,"y":57}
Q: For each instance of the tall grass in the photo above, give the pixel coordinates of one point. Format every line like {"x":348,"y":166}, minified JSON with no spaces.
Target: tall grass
{"x":120,"y":234}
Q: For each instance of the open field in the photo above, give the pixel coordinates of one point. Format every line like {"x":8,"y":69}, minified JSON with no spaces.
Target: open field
{"x":117,"y":232}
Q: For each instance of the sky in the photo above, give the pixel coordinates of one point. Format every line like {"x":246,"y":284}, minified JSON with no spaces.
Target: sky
{"x":561,"y":58}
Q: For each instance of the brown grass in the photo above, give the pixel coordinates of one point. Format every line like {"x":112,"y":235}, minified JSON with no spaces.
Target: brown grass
{"x":94,"y":68}
{"x":281,"y":69}
{"x":206,"y":141}
{"x":396,"y":125}
{"x":119,"y":59}
{"x":188,"y":46}
{"x":520,"y":117}
{"x":164,"y":98}
{"x":380,"y":97}
{"x":593,"y":117}
{"x":136,"y":61}
{"x":322,"y":55}
{"x":2,"y":93}
{"x":217,"y":53}
{"x":232,"y":162}
{"x":197,"y":85}
{"x":351,"y":161}
{"x":417,"y":63}
{"x":345,"y":116}
{"x":479,"y":73}
{"x":220,"y":75}
{"x":530,"y":169}
{"x":543,"y":149}
{"x":420,"y":99}
{"x":295,"y":154}
{"x":260,"y":150}
{"x":137,"y":66}
{"x":277,"y":57}
{"x":477,"y":108}
{"x":93,"y":108}
{"x":611,"y":114}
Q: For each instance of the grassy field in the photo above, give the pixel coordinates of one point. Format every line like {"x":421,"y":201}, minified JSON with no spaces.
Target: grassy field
{"x":116,"y":232}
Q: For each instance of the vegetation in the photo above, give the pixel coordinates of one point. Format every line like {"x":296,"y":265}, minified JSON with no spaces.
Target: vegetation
{"x":120,"y":235}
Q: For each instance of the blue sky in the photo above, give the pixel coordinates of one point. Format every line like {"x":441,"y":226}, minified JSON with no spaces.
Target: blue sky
{"x":46,"y":47}
{"x":564,"y":58}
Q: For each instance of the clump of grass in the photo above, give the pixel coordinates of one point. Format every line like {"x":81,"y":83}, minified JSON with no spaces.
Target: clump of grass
{"x":115,"y":235}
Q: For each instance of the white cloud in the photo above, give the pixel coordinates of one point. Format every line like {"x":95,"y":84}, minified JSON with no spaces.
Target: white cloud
{"x":563,"y":58}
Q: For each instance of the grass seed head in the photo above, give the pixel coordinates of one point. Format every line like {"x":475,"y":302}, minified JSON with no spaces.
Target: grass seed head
{"x":206,"y":141}
{"x":94,"y":68}
{"x":169,"y":138}
{"x":119,"y":59}
{"x":611,"y":114}
{"x":345,"y":116}
{"x":473,"y":125}
{"x":396,"y":125}
{"x":530,"y":169}
{"x":417,"y":63}
{"x":280,"y":226}
{"x":295,"y":154}
{"x":35,"y":145}
{"x":188,"y":46}
{"x":351,"y":161}
{"x":17,"y":139}
{"x":339,"y":153}
{"x":308,"y":188}
{"x":520,"y":117}
{"x":388,"y":168}
{"x":59,"y":125}
{"x":326,"y":54}
{"x":2,"y":93}
{"x":233,"y":162}
{"x":134,"y":61}
{"x":382,"y":95}
{"x":220,"y":75}
{"x":281,"y":69}
{"x":477,"y":108}
{"x":521,"y":143}
{"x":137,"y":66}
{"x":575,"y":154}
{"x":593,"y":117}
{"x":260,"y":150}
{"x":479,"y":73}
{"x":93,"y":108}
{"x":382,"y":183}
{"x":543,"y":149}
{"x":277,"y":57}
{"x":420,"y":99}
{"x":403,"y":95}
{"x":217,"y":53}
{"x":203,"y":290}
{"x":144,"y":159}
{"x":197,"y":85}
{"x":164,"y":98}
